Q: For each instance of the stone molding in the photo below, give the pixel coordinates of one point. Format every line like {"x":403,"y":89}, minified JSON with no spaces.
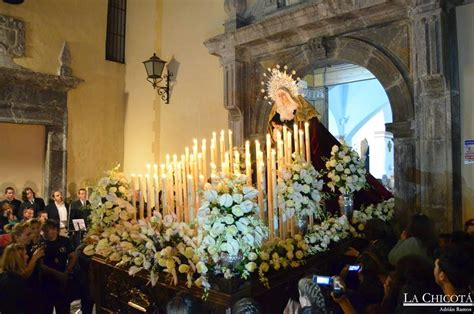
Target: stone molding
{"x":402,"y":42}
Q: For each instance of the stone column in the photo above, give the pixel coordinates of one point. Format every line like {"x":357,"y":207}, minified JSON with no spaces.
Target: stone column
{"x":55,"y":161}
{"x":433,"y":115}
{"x":405,"y":172}
{"x":234,"y":90}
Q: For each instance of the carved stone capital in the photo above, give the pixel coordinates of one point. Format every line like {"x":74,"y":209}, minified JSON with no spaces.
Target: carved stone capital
{"x":12,"y":36}
{"x":12,"y":40}
{"x":235,"y":12}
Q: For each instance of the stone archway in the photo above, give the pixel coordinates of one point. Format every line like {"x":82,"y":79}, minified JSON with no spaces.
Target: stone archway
{"x":28,"y":97}
{"x":355,"y":51}
{"x":403,"y":44}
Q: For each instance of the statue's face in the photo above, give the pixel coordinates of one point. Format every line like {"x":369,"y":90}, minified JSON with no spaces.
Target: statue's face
{"x":285,"y":105}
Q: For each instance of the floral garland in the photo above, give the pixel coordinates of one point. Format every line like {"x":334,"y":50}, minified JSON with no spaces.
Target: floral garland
{"x":158,"y":244}
{"x":299,"y":190}
{"x":384,"y":211}
{"x":333,"y":229}
{"x":228,"y":227}
{"x":345,"y":170}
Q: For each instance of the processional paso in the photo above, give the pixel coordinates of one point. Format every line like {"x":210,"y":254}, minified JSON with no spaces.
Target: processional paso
{"x":175,"y":186}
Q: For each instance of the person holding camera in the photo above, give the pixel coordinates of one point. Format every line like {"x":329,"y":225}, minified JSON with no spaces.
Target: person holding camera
{"x":58,"y":264}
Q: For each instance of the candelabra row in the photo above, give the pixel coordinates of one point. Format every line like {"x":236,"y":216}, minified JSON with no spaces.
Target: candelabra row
{"x":175,"y":185}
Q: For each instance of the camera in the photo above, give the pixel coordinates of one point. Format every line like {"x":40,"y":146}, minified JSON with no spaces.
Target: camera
{"x":354,"y":267}
{"x":334,"y":282}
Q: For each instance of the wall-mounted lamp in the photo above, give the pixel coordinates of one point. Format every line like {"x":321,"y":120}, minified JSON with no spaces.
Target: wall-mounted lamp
{"x":154,"y":69}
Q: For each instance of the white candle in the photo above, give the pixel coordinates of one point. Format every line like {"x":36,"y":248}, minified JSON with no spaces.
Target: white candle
{"x":156,"y":193}
{"x":295,"y":139}
{"x":248,"y":167}
{"x":134,"y":194}
{"x":231,"y":148}
{"x":163,"y":194}
{"x":149,"y":198}
{"x":222,"y":146}
{"x":307,"y":140}
{"x":300,"y":142}
{"x":189,"y":213}
{"x":269,"y":185}
{"x":141,"y":195}
{"x":236,"y":162}
{"x":274,"y":194}
{"x":204,"y":158}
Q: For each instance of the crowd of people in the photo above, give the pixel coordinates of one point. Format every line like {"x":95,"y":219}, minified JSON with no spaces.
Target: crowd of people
{"x":39,"y":249}
{"x":42,"y":267}
{"x":381,"y":274}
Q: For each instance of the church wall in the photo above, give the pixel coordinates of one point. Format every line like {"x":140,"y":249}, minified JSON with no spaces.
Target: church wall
{"x":465,"y":33}
{"x":196,"y":104}
{"x":25,"y":154}
{"x":142,"y":100}
{"x":96,"y":107}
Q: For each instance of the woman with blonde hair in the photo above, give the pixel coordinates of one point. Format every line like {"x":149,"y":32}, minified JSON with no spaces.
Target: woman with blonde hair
{"x":21,"y":234}
{"x":12,"y":282}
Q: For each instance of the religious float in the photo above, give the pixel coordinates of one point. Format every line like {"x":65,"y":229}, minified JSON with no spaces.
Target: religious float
{"x":224,"y":222}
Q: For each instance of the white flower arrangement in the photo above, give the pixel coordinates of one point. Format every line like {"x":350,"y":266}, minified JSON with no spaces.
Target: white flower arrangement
{"x":157,"y":244}
{"x":110,"y":200}
{"x":383,"y":211}
{"x":319,"y":237}
{"x":227,"y":224}
{"x":299,"y":190}
{"x":345,"y":170}
{"x":279,"y":254}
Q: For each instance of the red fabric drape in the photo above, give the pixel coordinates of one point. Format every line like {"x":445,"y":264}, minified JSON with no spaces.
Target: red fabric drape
{"x":322,"y":142}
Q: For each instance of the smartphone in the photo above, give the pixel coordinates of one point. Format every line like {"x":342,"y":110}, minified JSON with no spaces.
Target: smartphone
{"x":338,"y":287}
{"x":322,"y":280}
{"x":354,"y":267}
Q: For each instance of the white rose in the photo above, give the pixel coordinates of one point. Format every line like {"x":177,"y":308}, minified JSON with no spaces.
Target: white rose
{"x":217,"y":229}
{"x":335,"y":148}
{"x":225,"y":200}
{"x":229,"y":219}
{"x":237,"y":211}
{"x":251,"y":266}
{"x":113,"y":189}
{"x":249,"y":192}
{"x":237,"y":198}
{"x":247,"y":206}
{"x":306,"y":189}
{"x":252,"y":256}
{"x":241,"y":227}
{"x":210,"y":195}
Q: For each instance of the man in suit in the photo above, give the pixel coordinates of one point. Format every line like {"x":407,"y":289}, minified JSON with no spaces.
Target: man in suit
{"x":11,"y":200}
{"x":78,"y":211}
{"x":29,"y":198}
{"x":78,"y":206}
{"x":58,"y":210}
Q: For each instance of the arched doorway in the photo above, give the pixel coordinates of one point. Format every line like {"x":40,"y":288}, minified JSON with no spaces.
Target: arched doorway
{"x":355,"y":109}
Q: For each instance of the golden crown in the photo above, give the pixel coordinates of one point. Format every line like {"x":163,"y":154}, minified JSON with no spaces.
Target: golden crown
{"x":277,"y":79}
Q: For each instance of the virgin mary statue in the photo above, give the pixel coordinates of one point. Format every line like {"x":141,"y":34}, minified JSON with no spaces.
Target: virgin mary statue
{"x":289,"y":107}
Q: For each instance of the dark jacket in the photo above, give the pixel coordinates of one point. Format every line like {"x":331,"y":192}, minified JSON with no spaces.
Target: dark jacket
{"x":53,"y":212}
{"x":38,"y":205}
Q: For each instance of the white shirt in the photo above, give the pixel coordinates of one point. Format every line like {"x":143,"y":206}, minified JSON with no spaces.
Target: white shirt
{"x":62,"y":215}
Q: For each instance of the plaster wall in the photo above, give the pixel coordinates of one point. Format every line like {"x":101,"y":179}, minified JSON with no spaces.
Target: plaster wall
{"x":196,"y":104}
{"x":142,"y":103}
{"x":25,"y":155}
{"x":465,"y":33}
{"x":96,"y":108}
